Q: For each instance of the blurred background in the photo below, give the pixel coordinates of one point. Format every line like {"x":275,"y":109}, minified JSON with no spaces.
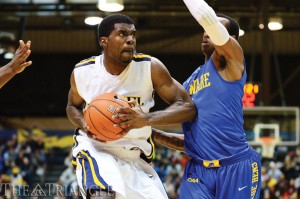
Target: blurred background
{"x":36,"y":137}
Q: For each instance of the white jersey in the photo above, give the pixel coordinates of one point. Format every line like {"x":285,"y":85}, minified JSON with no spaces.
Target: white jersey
{"x":117,"y":165}
{"x":134,"y":82}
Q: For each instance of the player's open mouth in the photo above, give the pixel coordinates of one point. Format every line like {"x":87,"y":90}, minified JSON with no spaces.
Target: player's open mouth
{"x":129,"y":52}
{"x":128,"y":48}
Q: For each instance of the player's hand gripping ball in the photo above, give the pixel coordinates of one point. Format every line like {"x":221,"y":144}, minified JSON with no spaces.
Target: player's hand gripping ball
{"x":98,"y":116}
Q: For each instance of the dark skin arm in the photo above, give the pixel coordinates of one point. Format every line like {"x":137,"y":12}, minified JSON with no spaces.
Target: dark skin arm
{"x":170,"y":140}
{"x":17,"y":64}
{"x":181,"y":107}
{"x":74,"y":106}
{"x":233,"y":55}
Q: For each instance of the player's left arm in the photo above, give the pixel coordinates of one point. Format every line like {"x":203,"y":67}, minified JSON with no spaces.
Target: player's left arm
{"x":181,"y":107}
{"x":173,"y":141}
{"x":234,"y":57}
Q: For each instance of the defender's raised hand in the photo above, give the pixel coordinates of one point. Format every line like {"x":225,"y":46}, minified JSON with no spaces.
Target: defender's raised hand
{"x":17,"y":64}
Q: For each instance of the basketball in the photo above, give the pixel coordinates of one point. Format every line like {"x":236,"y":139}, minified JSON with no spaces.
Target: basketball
{"x":98,"y":116}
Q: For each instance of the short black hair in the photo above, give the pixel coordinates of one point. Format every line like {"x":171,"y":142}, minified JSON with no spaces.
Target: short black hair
{"x":233,"y":27}
{"x":107,"y":25}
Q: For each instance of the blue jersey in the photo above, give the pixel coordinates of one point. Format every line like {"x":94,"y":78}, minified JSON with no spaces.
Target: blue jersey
{"x":218,"y":130}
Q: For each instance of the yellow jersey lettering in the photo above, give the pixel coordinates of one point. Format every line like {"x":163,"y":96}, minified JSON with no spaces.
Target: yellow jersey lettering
{"x":205,"y":79}
{"x":194,"y":180}
{"x":193,"y":87}
{"x":255,"y":177}
{"x":199,"y":84}
{"x":253,"y":191}
{"x":254,"y":172}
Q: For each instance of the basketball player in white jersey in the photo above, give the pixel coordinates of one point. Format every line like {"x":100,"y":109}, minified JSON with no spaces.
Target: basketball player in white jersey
{"x":17,"y":64}
{"x":120,"y":169}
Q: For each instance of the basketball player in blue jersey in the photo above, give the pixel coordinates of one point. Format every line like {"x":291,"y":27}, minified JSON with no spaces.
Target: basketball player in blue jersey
{"x":222,"y":165}
{"x":119,"y":169}
{"x":17,"y":64}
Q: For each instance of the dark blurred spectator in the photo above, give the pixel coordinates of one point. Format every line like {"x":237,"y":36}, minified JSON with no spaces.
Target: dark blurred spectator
{"x":31,"y":143}
{"x":9,"y":157}
{"x":14,"y":141}
{"x":289,"y":169}
{"x":274,"y":172}
{"x":170,"y":187}
{"x":67,"y":180}
{"x":17,"y":182}
{"x":290,"y":192}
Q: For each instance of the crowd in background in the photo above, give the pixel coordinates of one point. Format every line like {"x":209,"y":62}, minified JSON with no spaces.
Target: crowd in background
{"x":20,"y":161}
{"x":281,"y":174}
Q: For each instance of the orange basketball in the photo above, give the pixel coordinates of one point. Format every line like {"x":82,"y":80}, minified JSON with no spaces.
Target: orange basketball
{"x":98,"y":116}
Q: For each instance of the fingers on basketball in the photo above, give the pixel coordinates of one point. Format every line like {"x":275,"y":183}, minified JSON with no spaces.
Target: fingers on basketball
{"x":98,"y":116}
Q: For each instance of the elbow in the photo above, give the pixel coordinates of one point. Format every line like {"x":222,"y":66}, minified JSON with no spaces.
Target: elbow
{"x":192,"y":110}
{"x":67,"y":109}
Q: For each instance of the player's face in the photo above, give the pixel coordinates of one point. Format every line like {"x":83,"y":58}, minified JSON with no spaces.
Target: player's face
{"x":207,"y":46}
{"x":122,"y":42}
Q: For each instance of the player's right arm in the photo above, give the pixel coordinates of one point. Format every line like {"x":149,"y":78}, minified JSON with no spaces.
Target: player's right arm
{"x":74,"y":107}
{"x":171,"y":140}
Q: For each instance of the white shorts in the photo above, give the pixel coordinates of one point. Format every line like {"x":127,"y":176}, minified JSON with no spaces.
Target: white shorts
{"x":118,"y":169}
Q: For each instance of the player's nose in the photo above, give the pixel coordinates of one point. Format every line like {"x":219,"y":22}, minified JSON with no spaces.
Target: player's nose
{"x":205,"y":35}
{"x":130,"y":39}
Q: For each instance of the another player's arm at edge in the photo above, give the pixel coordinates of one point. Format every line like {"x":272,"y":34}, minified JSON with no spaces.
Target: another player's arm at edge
{"x":17,"y":64}
{"x":171,"y":140}
{"x":74,"y":106}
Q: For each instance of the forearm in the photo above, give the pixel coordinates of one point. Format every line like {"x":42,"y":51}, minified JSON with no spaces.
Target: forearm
{"x":176,"y":113}
{"x":75,"y":116}
{"x":171,"y":140}
{"x":208,"y":19}
{"x":5,"y":74}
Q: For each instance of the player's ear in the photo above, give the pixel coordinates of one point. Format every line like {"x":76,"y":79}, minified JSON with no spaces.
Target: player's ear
{"x":103,"y":41}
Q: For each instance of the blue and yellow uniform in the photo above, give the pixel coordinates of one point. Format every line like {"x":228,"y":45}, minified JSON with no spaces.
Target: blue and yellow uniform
{"x":222,"y":165}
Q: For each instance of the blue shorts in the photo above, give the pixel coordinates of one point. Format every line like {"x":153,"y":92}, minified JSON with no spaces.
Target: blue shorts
{"x":238,"y":177}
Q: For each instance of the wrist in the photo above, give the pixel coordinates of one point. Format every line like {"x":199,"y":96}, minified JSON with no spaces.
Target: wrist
{"x":9,"y":69}
{"x":154,"y":134}
{"x":148,"y":119}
